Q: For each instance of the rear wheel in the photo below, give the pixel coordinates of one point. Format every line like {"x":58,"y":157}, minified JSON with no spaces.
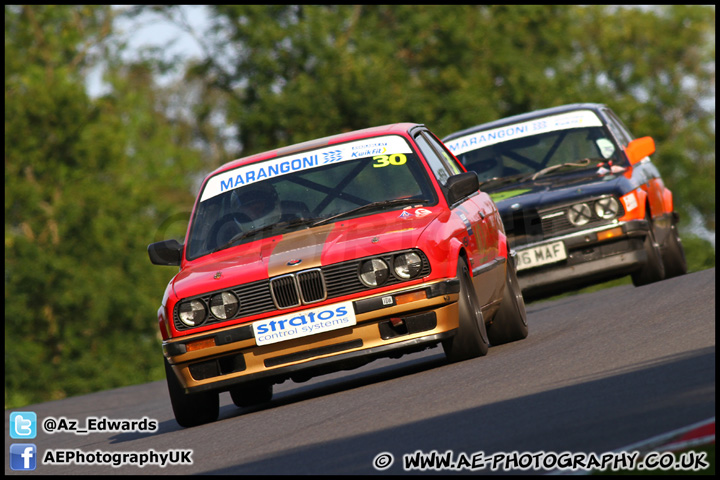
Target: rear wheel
{"x":510,"y":321}
{"x":191,"y":409}
{"x":471,"y":339}
{"x":673,"y":254}
{"x":247,"y":395}
{"x":653,"y":270}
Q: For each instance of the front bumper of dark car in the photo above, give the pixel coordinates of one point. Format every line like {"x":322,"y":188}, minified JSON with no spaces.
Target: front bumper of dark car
{"x":594,"y":255}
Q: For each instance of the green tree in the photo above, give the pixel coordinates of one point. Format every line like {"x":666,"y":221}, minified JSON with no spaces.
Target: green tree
{"x":289,"y":73}
{"x":88,"y":184}
{"x":656,"y":68}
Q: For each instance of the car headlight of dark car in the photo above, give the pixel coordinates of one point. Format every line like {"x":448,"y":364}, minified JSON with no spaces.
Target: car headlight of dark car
{"x":224,"y":305}
{"x":579,"y":214}
{"x":407,"y":265}
{"x":374,"y":272}
{"x":607,"y":208}
{"x":192,"y":313}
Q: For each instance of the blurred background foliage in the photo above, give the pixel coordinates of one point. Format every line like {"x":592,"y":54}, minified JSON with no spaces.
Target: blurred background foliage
{"x":91,"y":180}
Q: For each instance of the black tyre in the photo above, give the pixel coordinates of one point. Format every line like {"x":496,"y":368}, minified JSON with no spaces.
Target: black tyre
{"x":510,"y":321}
{"x":247,"y":395}
{"x":194,"y":409}
{"x":653,"y":270}
{"x":471,"y":340}
{"x":673,"y":254}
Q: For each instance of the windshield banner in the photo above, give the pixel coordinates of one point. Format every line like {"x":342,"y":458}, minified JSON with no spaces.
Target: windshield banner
{"x":255,"y":172}
{"x":577,"y":119}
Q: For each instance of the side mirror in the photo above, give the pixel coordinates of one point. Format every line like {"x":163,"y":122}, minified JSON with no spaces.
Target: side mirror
{"x":167,"y":252}
{"x":461,"y":185}
{"x":639,"y":149}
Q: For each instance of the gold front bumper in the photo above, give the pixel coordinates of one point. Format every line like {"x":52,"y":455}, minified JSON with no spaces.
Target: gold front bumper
{"x":227,"y":356}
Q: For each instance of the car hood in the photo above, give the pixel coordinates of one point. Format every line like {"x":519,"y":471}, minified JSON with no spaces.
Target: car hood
{"x":558,"y":189}
{"x":304,"y":249}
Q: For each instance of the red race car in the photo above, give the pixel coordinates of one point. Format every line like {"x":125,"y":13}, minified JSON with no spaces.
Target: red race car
{"x":326,"y":255}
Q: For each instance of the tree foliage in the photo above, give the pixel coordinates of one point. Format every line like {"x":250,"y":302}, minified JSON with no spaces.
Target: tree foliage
{"x":90,"y":182}
{"x":290,"y":73}
{"x":87,"y":182}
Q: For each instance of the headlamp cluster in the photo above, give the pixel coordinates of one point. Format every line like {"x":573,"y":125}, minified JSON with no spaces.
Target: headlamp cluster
{"x":605,"y":208}
{"x":223,"y":306}
{"x":385,"y":269}
{"x":375,"y":272}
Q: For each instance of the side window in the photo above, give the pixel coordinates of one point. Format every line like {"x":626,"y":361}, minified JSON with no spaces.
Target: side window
{"x":450,"y":161}
{"x":441,"y":171}
{"x":617,"y":128}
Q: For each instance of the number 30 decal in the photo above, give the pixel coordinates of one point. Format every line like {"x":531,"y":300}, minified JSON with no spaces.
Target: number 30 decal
{"x":385,"y":160}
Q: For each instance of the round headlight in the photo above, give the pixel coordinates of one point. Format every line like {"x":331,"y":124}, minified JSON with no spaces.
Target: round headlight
{"x":607,"y":208}
{"x":374,"y":272}
{"x":579,"y":214}
{"x":224,"y":305}
{"x":407,"y":265}
{"x":192,"y":313}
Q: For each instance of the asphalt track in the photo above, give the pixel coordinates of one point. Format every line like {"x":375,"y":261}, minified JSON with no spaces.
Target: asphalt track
{"x":597,"y":372}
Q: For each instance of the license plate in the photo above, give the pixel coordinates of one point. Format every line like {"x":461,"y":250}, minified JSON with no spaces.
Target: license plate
{"x":304,"y":323}
{"x":541,"y":255}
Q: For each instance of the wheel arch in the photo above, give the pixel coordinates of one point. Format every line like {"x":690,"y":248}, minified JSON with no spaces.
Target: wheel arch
{"x":456,"y":253}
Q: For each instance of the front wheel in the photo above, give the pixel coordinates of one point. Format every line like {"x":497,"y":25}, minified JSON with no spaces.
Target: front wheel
{"x":653,"y":270}
{"x":194,"y":409}
{"x":470,"y":340}
{"x":510,"y":321}
{"x":673,"y":254}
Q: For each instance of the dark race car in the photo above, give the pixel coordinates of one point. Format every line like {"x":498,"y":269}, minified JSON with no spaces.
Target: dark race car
{"x":580,"y":199}
{"x":326,"y":255}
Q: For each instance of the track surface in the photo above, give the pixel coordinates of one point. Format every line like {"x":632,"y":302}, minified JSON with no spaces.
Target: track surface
{"x":597,"y":372}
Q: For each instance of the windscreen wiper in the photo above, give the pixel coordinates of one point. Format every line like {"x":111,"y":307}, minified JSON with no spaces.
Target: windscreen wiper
{"x":497,"y":181}
{"x":583,"y":163}
{"x":251,"y":233}
{"x":373,"y":206}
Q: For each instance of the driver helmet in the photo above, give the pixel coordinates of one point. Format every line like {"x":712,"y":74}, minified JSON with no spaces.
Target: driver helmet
{"x":256,"y":205}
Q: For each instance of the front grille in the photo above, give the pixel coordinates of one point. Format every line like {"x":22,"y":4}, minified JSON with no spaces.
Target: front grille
{"x":254,"y":298}
{"x":300,"y":288}
{"x":293,"y":289}
{"x":556,"y":222}
{"x":342,"y":279}
{"x":284,"y":291}
{"x":523,"y":227}
{"x":312,"y":286}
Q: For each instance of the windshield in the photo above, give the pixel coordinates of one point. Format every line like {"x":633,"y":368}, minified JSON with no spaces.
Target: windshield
{"x":517,"y":153}
{"x":298,"y":191}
